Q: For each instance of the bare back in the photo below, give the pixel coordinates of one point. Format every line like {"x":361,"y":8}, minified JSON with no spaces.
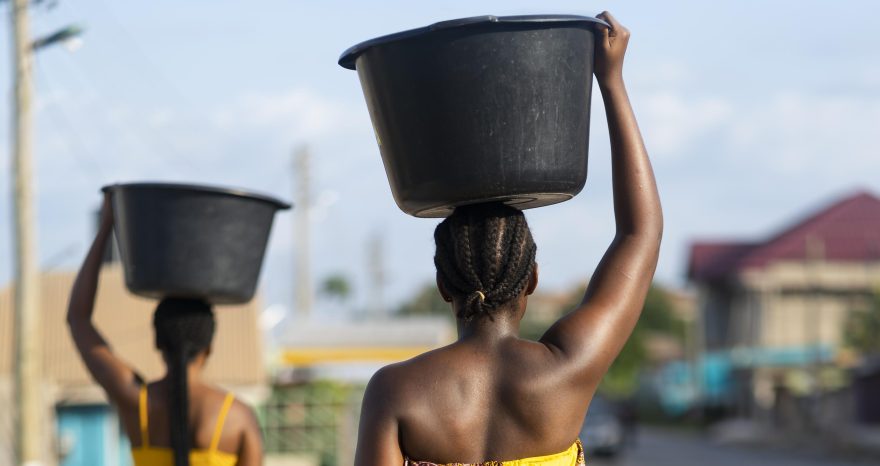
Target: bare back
{"x":474,"y":400}
{"x":205,"y":404}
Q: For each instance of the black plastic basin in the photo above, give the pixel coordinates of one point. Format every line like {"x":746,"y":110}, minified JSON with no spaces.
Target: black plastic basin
{"x":481,"y":109}
{"x":192,"y":241}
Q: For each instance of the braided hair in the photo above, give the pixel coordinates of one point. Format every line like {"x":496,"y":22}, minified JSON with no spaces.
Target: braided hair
{"x":485,"y":255}
{"x":184,"y":327}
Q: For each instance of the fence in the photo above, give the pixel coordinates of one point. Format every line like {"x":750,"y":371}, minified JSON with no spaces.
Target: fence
{"x":313,"y":418}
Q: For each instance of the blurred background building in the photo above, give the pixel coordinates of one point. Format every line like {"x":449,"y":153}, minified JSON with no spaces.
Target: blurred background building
{"x":786,"y":328}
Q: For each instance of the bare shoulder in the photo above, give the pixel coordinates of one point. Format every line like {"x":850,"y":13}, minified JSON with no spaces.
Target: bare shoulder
{"x":241,"y":433}
{"x":425,"y":368}
{"x":241,"y":408}
{"x":391,"y":385}
{"x":381,"y":400}
{"x":386,"y":379}
{"x":240,"y":426}
{"x":242,"y":415}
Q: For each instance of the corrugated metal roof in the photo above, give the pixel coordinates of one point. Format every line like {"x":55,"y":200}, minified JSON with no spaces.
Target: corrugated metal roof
{"x":125,"y":321}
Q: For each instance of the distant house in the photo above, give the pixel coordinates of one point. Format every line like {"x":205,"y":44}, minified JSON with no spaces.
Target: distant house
{"x":84,"y":430}
{"x":774,"y":308}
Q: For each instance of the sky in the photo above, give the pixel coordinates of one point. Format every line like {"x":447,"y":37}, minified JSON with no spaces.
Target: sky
{"x":755,"y":114}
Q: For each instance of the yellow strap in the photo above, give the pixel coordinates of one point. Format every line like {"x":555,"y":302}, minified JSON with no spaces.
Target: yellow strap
{"x":142,"y":411}
{"x":221,"y":419}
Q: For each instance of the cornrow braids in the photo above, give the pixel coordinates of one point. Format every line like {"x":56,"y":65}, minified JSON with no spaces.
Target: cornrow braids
{"x":485,"y":255}
{"x":521,"y":254}
{"x":465,"y":254}
{"x":495,"y":240}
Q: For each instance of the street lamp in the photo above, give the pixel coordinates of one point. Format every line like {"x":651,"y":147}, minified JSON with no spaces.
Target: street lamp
{"x":69,"y":36}
{"x":64,"y":35}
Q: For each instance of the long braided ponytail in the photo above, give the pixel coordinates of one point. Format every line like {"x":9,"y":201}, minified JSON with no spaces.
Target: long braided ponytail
{"x":184,"y":327}
{"x":485,"y":256}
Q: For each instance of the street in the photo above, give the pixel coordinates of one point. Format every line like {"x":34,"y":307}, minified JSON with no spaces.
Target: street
{"x":663,"y":448}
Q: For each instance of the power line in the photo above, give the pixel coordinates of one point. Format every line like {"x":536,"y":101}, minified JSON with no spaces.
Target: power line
{"x":145,"y":57}
{"x":172,"y":157}
{"x":81,"y":153}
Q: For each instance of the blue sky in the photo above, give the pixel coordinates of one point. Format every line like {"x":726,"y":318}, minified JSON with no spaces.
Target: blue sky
{"x":754,"y":114}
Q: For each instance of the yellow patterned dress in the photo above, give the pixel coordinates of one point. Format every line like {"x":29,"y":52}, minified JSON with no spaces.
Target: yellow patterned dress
{"x":574,"y":456}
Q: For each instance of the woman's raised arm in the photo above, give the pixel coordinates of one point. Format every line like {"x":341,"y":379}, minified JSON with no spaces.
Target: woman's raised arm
{"x":117,"y":378}
{"x":590,"y":338}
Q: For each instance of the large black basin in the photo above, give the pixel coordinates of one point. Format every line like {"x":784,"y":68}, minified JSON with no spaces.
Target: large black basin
{"x":481,"y":109}
{"x":191,"y":241}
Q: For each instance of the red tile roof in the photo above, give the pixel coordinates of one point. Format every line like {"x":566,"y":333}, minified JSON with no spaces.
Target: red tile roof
{"x":715,"y":260}
{"x":846,"y":231}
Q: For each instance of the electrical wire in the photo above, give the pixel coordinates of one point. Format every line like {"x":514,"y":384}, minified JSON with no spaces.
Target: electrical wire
{"x":174,"y":160}
{"x":84,"y":157}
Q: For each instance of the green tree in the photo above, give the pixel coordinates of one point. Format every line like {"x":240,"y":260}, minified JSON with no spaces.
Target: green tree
{"x":336,"y":286}
{"x":426,"y":301}
{"x":863,"y":327}
{"x":658,"y":317}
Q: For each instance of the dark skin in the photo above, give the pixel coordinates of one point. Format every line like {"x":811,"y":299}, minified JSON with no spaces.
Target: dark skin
{"x":493,"y":396}
{"x":241,"y":433}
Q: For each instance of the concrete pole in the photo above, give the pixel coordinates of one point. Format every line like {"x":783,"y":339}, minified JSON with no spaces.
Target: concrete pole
{"x":302,"y":240}
{"x":815,"y":252}
{"x":700,"y":347}
{"x":27,"y":354}
{"x":376,"y":270}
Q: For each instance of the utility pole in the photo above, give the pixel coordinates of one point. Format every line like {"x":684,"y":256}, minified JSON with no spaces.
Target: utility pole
{"x":376,"y":272}
{"x":27,"y":355}
{"x":302,"y":240}
{"x":815,"y":252}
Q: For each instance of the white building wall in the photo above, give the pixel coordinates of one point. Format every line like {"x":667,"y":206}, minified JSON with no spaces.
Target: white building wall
{"x":803,"y":303}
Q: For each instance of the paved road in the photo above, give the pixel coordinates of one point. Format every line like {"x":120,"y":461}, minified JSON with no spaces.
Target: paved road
{"x":661,"y":448}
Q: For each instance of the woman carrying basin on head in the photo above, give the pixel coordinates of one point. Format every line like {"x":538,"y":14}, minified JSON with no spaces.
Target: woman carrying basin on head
{"x":492,"y":397}
{"x":178,"y":420}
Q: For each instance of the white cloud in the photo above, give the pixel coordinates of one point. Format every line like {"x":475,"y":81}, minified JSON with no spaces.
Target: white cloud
{"x":298,"y":112}
{"x":795,"y":133}
{"x":784,"y":133}
{"x":673,"y":123}
{"x":659,"y":73}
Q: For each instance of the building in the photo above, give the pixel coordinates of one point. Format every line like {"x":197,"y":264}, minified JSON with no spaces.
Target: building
{"x":85,"y":429}
{"x":774,"y":310}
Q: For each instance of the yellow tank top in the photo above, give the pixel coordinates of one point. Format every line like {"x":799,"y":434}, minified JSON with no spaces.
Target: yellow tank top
{"x":146,"y":455}
{"x":574,"y":456}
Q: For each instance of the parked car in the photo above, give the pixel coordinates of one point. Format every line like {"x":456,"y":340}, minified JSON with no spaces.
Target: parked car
{"x":602,"y":433}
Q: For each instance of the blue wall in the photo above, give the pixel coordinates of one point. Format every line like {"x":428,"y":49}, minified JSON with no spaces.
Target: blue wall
{"x":91,"y":436}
